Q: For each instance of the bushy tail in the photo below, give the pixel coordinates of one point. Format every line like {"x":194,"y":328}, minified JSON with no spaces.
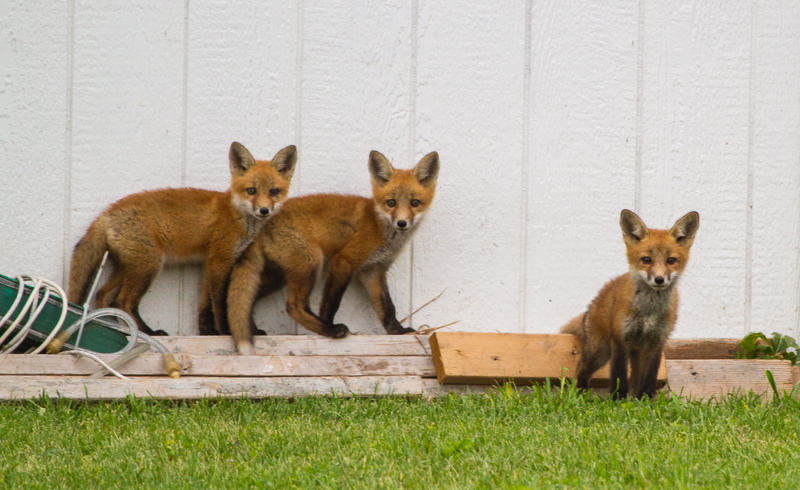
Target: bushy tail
{"x":575,"y":326}
{"x":85,"y":260}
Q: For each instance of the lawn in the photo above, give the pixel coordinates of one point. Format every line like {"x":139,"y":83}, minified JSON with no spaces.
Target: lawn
{"x":505,"y":439}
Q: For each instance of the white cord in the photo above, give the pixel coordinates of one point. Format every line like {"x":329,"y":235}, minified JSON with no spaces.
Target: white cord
{"x":35,"y":305}
{"x":92,"y":356}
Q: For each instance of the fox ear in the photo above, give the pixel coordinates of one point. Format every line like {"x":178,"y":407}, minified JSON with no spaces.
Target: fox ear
{"x":633,"y":228}
{"x":240,"y":158}
{"x":380,"y":168}
{"x":684,"y":229}
{"x":284,"y":161}
{"x":427,"y":169}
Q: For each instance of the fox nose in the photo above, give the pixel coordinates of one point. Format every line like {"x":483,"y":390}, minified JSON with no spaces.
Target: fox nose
{"x":402,"y":223}
{"x":659,"y":280}
{"x":263,"y":211}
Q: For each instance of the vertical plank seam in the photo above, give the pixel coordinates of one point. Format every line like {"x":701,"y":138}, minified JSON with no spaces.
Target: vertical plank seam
{"x":748,"y":253}
{"x":525,"y":171}
{"x":797,"y":231}
{"x":184,"y":156}
{"x":298,"y":105}
{"x":412,"y":138}
{"x":66,"y":249}
{"x":637,"y":169}
{"x":298,"y":89}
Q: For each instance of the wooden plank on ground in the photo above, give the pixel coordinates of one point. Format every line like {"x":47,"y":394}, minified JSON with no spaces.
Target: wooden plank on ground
{"x":489,"y":358}
{"x":715,"y":378}
{"x":305,"y":345}
{"x":701,"y":348}
{"x":150,"y":364}
{"x":192,"y":388}
{"x":795,"y":374}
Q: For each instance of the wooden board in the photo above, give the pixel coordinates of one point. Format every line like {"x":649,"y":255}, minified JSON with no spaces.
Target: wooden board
{"x":701,"y":348}
{"x":192,"y":388}
{"x":715,"y":378}
{"x":489,"y":358}
{"x":150,"y":364}
{"x":305,"y":345}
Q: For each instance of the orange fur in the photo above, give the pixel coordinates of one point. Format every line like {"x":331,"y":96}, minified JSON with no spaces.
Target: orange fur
{"x":145,"y":230}
{"x":633,"y":314}
{"x":346,"y":236}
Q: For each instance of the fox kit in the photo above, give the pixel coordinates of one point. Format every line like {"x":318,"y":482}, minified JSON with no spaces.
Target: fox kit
{"x":344,"y":235}
{"x":143,"y":231}
{"x":633,"y":314}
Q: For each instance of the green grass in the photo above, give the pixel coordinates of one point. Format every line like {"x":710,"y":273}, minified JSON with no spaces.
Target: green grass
{"x":502,"y":440}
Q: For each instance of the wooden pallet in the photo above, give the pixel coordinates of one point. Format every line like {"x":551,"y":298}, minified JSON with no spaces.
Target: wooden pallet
{"x":281,"y":366}
{"x":359,"y":365}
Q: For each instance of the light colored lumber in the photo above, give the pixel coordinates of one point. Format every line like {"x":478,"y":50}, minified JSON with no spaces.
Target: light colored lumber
{"x":715,"y":378}
{"x":151,"y":364}
{"x":701,"y":348}
{"x":489,"y":358}
{"x":795,"y":374}
{"x":305,"y":345}
{"x":111,"y":388}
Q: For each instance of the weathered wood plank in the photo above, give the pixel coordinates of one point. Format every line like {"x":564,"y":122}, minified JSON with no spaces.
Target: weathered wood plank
{"x":701,"y":348}
{"x":715,"y":378}
{"x":795,"y":374}
{"x":306,"y":345}
{"x":150,"y":364}
{"x":30,"y":387}
{"x":488,"y":358}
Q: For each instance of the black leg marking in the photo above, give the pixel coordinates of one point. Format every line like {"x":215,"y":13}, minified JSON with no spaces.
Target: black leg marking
{"x":650,"y":376}
{"x":619,"y":373}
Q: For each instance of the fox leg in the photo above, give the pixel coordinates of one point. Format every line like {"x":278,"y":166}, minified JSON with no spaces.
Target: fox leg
{"x":595,"y":352}
{"x":217,"y":279}
{"x":619,"y":371}
{"x":107,"y":295}
{"x":649,"y":362}
{"x":335,"y":286}
{"x":205,"y":317}
{"x":300,"y":285}
{"x":374,"y":280}
{"x":243,"y":288}
{"x":135,"y":283}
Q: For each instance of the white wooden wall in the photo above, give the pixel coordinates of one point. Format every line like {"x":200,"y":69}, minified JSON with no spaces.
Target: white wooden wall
{"x":550,"y":116}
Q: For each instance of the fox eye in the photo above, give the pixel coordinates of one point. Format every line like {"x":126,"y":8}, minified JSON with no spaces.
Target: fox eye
{"x":391,"y":203}
{"x":415,"y":203}
{"x":672,"y":261}
{"x":251,"y":190}
{"x":274,"y":191}
{"x":646,"y":260}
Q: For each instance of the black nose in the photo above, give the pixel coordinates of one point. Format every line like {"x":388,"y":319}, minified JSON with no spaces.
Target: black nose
{"x":263,"y":211}
{"x":659,"y":280}
{"x":402,"y":223}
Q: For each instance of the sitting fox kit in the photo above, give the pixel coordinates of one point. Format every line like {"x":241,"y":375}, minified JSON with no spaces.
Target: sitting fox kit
{"x":343,"y":235}
{"x":633,"y":314}
{"x":145,"y":230}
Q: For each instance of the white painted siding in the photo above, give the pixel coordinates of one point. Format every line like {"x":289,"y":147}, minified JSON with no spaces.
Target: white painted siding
{"x":549,"y":117}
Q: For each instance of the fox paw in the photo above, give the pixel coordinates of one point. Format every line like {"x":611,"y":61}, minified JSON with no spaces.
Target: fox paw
{"x":337,"y":331}
{"x":399,"y":330}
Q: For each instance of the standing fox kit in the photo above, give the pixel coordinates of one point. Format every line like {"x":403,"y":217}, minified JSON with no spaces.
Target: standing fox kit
{"x":344,"y":235}
{"x":144,"y":231}
{"x":633,"y":314}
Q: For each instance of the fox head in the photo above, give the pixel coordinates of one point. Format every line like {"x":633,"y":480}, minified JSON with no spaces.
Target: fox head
{"x":403,"y":196}
{"x":657,"y":257}
{"x":258,"y":187}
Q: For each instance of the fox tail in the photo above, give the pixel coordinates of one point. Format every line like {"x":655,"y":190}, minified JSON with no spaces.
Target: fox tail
{"x":85,"y":260}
